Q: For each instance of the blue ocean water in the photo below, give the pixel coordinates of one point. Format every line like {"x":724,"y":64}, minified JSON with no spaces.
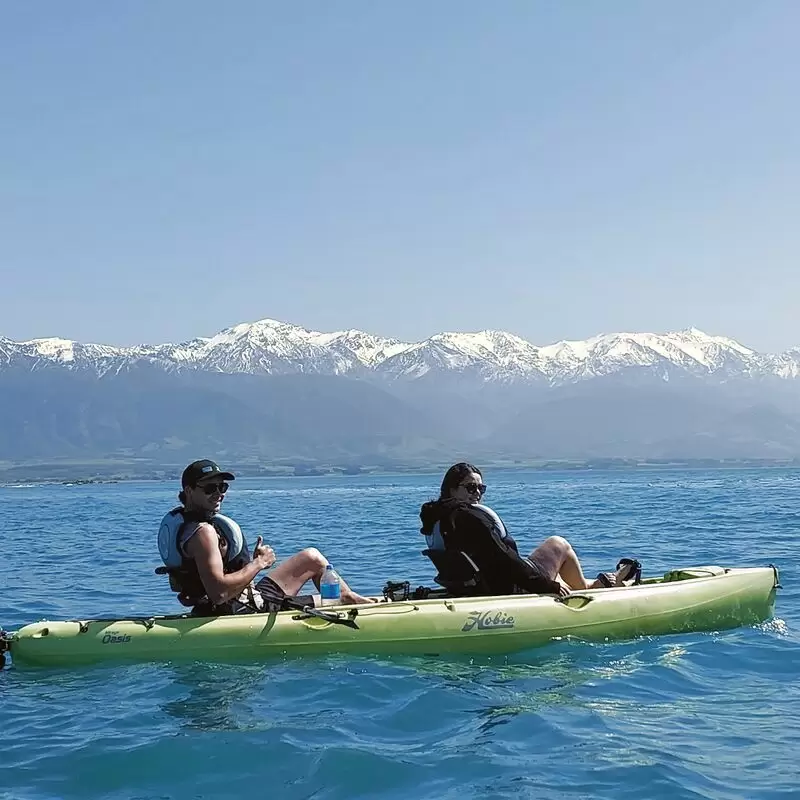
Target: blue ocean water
{"x":690,"y":716}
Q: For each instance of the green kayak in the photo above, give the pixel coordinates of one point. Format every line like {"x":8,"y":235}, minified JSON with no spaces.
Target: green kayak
{"x":682,"y":600}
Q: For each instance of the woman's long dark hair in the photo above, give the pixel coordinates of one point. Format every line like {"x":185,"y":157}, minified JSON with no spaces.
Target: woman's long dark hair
{"x":454,"y":476}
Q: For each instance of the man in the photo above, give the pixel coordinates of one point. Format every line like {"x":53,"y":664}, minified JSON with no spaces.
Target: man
{"x":209,"y":563}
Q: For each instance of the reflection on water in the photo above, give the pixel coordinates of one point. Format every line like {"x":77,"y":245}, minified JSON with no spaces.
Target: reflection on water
{"x":214,"y":696}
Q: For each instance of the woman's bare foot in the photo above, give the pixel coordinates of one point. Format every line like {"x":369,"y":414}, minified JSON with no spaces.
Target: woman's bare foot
{"x":613,"y":580}
{"x":624,"y":573}
{"x":604,"y":580}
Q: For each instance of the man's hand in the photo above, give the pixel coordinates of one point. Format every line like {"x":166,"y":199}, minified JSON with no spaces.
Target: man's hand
{"x":263,"y":554}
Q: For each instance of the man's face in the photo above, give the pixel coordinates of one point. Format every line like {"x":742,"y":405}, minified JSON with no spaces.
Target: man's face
{"x":207,"y":494}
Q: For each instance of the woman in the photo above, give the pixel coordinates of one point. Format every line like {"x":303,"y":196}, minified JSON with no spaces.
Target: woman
{"x":458,"y":521}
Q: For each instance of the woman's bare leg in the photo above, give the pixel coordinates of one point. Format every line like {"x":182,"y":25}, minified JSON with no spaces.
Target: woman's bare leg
{"x":308,"y":565}
{"x":559,"y":561}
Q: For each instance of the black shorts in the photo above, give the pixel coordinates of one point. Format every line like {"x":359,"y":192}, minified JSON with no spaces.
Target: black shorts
{"x":275,"y":599}
{"x":544,"y":583}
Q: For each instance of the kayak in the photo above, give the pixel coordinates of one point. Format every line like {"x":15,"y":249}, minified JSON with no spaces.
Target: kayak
{"x":707,"y":598}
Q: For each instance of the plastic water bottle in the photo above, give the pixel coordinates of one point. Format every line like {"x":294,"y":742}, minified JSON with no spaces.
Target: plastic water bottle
{"x":329,"y":587}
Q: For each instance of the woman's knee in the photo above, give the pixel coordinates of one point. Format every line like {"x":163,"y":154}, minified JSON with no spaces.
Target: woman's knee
{"x":557,"y":543}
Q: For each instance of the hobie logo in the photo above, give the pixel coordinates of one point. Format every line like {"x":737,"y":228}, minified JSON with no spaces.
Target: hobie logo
{"x":488,"y":620}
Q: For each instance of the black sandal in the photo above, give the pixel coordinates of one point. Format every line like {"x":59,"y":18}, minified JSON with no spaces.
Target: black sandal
{"x":636,"y":571}
{"x":606,"y":579}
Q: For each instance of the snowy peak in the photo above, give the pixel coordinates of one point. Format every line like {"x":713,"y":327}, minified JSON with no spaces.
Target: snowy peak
{"x":494,"y":345}
{"x":269,"y":346}
{"x":491,"y":354}
{"x":690,"y":349}
{"x":65,"y":350}
{"x":37,"y":353}
{"x":787,"y":364}
{"x":364,"y":348}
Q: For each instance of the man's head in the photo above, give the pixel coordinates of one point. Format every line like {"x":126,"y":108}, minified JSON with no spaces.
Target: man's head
{"x":204,"y":485}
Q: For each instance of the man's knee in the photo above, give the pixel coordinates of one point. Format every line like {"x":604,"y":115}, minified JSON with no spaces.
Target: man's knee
{"x":313,"y":557}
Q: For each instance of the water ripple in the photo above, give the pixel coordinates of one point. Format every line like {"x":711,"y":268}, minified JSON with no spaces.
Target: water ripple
{"x":696,"y":716}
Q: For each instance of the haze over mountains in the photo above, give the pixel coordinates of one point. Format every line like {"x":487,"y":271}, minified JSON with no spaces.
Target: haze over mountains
{"x":271,"y":390}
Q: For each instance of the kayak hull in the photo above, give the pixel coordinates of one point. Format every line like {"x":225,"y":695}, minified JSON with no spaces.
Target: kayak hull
{"x":694,"y":599}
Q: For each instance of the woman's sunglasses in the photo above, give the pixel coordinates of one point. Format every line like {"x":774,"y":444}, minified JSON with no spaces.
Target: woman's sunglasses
{"x":475,"y":488}
{"x":210,"y":488}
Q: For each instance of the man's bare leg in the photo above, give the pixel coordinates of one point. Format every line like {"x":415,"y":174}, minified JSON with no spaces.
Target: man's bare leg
{"x":308,"y":565}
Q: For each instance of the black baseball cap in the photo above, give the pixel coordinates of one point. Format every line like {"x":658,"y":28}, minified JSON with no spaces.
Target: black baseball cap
{"x":205,"y":468}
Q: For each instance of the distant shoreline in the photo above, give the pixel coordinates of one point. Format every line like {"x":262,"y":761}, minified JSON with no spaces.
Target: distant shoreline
{"x":112,"y":471}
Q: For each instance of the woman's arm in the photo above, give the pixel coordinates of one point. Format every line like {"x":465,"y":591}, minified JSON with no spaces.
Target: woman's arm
{"x":501,"y":551}
{"x":528,"y":576}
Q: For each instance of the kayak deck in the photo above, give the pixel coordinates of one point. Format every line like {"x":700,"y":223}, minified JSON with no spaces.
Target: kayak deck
{"x":693,"y":599}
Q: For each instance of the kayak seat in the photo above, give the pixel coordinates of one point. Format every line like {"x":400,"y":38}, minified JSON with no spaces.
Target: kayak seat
{"x":457,"y":572}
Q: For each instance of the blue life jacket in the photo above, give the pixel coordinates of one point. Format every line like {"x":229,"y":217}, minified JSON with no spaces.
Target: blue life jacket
{"x":184,"y":579}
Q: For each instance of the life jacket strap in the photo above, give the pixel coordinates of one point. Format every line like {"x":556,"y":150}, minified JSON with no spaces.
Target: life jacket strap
{"x":252,"y":599}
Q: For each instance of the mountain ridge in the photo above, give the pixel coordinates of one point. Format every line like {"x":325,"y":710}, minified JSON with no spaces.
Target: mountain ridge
{"x":270,"y":347}
{"x":270,"y":391}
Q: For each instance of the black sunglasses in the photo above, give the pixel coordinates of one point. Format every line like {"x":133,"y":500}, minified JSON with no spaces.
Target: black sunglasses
{"x":210,"y":488}
{"x":475,"y":488}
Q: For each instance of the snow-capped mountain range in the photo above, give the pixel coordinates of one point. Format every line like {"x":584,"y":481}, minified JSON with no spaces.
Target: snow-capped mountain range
{"x":272,"y":347}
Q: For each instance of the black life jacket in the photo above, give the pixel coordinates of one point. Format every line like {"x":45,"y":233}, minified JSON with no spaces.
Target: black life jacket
{"x":184,"y":578}
{"x":479,"y":537}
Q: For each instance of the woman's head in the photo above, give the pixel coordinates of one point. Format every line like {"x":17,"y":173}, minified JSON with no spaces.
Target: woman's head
{"x":463,"y":482}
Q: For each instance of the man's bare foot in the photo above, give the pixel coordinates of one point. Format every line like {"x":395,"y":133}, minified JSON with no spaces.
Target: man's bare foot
{"x":353,"y":598}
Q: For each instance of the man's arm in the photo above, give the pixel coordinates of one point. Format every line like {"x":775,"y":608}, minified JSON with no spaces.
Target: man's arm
{"x":203,"y":547}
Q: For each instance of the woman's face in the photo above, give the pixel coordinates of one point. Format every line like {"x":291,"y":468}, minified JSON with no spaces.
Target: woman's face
{"x":471,"y":488}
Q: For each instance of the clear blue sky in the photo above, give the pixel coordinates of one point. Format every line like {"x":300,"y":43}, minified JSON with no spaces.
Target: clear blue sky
{"x":555,"y":169}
